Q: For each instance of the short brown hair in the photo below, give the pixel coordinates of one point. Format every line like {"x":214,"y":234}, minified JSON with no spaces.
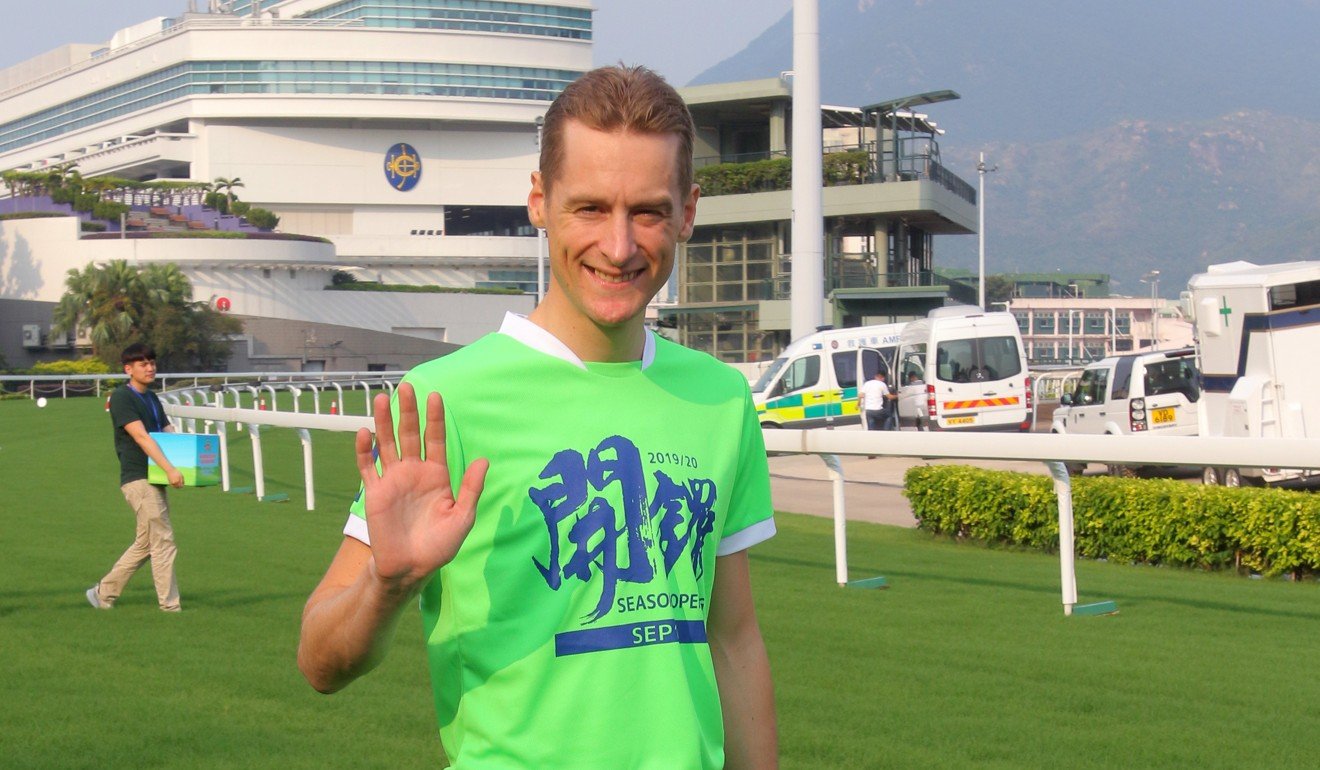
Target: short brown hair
{"x":618,"y":98}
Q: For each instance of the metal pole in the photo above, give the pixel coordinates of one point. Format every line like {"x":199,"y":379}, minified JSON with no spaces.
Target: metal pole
{"x":305,"y":438}
{"x":981,"y":171}
{"x":808,"y":243}
{"x":835,"y":470}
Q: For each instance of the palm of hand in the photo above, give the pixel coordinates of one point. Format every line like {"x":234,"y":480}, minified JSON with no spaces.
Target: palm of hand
{"x":415,"y":522}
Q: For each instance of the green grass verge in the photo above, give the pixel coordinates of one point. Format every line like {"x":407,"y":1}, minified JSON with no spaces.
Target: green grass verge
{"x":966,"y":660}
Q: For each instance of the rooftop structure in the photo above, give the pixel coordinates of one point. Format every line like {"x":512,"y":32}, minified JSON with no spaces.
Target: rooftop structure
{"x":886,"y":196}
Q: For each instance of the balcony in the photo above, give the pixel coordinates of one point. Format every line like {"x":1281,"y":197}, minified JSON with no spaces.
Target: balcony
{"x":916,"y":160}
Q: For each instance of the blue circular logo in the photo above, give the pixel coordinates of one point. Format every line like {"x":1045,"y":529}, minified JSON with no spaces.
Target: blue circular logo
{"x":403,"y":167}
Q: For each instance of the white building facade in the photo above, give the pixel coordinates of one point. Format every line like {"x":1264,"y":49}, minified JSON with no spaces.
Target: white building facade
{"x":402,"y":130}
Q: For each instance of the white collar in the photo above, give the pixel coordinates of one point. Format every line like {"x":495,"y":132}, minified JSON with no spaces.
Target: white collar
{"x":520,"y":328}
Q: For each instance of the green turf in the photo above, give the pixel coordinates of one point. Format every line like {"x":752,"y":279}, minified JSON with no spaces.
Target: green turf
{"x":966,"y":659}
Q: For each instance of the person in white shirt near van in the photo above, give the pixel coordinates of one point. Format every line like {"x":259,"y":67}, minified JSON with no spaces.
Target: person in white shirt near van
{"x":873,"y":400}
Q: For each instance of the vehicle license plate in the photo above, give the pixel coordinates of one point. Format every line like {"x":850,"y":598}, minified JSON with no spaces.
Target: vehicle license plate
{"x":968,"y":420}
{"x":1161,"y":416}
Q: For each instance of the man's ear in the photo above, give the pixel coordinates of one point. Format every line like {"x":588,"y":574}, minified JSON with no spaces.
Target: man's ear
{"x":536,"y":202}
{"x":689,"y":214}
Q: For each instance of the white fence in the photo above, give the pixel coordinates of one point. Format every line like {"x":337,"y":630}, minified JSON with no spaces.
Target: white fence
{"x":1053,"y":450}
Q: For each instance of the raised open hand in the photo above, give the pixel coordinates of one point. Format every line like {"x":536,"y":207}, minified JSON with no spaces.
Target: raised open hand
{"x":415,"y":523}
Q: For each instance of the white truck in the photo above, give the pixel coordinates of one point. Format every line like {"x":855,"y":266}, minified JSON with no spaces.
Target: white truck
{"x":1258,"y":333}
{"x":1155,"y":393}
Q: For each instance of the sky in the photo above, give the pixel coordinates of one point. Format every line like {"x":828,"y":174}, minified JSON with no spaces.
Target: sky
{"x":661,"y":34}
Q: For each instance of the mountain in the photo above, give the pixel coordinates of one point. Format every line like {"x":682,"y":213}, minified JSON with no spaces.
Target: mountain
{"x":1128,"y":135}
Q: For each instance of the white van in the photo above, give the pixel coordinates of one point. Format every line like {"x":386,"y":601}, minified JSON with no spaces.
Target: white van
{"x":813,"y":383}
{"x":961,"y":368}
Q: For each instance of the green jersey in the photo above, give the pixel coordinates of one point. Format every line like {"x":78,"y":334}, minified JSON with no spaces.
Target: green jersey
{"x":570,"y":629}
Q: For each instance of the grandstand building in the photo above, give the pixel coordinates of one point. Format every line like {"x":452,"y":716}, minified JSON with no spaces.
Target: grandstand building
{"x":402,"y":132}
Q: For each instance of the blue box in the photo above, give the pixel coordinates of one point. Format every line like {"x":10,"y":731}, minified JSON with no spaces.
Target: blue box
{"x":196,"y":455}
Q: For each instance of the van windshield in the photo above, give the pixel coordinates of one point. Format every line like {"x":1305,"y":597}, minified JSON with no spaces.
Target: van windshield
{"x":977,"y":359}
{"x":768,"y":375}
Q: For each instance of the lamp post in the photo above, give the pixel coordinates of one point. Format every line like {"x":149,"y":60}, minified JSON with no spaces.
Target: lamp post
{"x":1153,"y":278}
{"x":540,"y":231}
{"x":981,"y":171}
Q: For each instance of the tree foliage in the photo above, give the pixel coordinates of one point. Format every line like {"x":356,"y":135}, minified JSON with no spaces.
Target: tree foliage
{"x":120,"y":304}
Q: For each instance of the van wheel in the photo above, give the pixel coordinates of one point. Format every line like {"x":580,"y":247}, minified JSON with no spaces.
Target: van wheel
{"x":1232,"y":477}
{"x":1123,"y":471}
{"x":1210,"y":477}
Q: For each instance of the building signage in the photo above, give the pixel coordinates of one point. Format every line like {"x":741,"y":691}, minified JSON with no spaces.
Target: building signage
{"x":403,"y":167}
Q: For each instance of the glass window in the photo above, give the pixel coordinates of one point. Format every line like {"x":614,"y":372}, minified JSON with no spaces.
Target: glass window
{"x":845,"y":368}
{"x":1096,"y":323}
{"x":954,"y":360}
{"x":802,"y":373}
{"x":1091,"y":387}
{"x":1044,"y":323}
{"x":978,"y":359}
{"x":912,"y":368}
{"x":1178,"y":375}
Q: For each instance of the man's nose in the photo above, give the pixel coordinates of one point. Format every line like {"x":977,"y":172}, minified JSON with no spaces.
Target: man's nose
{"x":620,"y":242}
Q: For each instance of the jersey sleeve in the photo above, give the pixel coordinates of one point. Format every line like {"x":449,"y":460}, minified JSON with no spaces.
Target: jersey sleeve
{"x":751,"y":516}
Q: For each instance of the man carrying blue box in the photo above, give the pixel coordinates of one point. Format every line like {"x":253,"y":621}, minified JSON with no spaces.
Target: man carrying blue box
{"x":136,"y":413}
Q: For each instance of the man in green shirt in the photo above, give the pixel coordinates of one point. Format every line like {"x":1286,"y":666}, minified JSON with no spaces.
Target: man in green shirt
{"x":586,"y":593}
{"x":136,"y":413}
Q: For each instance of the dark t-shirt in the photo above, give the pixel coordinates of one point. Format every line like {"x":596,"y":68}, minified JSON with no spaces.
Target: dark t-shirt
{"x":126,"y":406}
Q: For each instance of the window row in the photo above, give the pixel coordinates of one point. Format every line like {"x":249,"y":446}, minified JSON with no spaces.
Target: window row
{"x":286,"y":77}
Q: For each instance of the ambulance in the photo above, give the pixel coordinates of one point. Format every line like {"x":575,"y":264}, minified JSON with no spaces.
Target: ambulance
{"x":961,"y":368}
{"x":813,"y":383}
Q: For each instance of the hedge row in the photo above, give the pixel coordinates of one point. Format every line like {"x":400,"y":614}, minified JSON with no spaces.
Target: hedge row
{"x":1150,"y":521}
{"x":837,"y":168}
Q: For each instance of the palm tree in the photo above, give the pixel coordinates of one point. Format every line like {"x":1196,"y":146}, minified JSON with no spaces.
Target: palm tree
{"x":108,"y":301}
{"x":227,"y":186}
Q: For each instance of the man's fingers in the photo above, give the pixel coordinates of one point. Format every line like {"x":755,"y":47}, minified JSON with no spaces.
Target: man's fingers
{"x":435,"y":432}
{"x":469,"y":491}
{"x":410,"y":440}
{"x":366,"y":459}
{"x":384,"y":429}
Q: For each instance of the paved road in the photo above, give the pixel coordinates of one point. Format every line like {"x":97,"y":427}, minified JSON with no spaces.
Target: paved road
{"x":874,"y":492}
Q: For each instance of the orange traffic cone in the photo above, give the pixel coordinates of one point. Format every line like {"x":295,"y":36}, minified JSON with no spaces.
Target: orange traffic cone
{"x":261,"y":404}
{"x":334,"y":407}
{"x":107,"y":403}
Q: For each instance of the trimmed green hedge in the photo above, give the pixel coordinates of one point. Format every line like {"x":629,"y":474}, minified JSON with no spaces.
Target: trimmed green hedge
{"x":844,"y":167}
{"x":88,"y":365}
{"x":1150,"y":521}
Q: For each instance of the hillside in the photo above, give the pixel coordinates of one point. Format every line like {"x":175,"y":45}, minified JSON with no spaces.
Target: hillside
{"x":1128,"y":135}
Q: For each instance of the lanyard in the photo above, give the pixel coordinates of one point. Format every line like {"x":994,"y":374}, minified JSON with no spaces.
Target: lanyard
{"x":151,"y":407}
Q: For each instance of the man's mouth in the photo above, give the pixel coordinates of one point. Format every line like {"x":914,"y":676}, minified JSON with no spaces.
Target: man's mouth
{"x":616,"y":278}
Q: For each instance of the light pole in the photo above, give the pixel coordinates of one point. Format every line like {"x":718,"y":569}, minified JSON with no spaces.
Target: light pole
{"x":1153,"y":278}
{"x":981,"y":171}
{"x":540,"y":231}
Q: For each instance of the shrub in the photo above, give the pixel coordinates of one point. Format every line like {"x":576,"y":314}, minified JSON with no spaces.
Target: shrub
{"x":1151,"y":521}
{"x":216,"y":201}
{"x":85,"y":201}
{"x":262,"y":218}
{"x":241,"y":208}
{"x":93,"y":227}
{"x":109,"y":210}
{"x":89,"y":365}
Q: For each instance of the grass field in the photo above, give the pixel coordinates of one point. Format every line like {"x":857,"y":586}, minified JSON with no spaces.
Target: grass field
{"x":966,"y":661}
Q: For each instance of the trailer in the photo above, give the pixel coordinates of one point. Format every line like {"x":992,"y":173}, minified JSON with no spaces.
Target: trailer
{"x":1257,"y":331}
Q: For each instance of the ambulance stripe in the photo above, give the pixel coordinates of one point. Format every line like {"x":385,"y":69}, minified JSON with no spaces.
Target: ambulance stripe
{"x":1005,"y":401}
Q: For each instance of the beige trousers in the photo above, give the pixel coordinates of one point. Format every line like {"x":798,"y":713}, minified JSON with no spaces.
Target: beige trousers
{"x":154,"y":540}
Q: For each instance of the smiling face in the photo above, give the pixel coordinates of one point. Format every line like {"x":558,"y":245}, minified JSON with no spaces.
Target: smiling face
{"x":613,"y":216}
